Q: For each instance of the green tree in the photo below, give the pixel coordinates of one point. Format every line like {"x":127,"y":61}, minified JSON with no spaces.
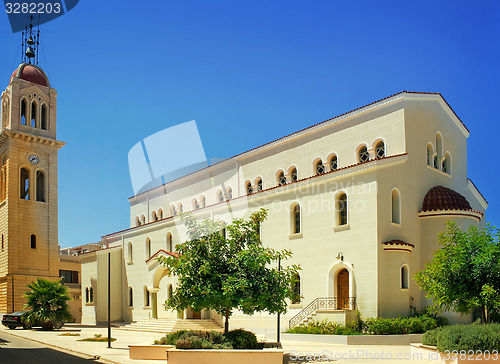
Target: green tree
{"x":231,"y":270}
{"x":47,"y":303}
{"x":465,"y":272}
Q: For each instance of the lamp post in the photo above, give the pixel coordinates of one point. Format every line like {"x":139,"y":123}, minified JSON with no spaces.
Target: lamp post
{"x":109,"y":299}
{"x":278,"y":323}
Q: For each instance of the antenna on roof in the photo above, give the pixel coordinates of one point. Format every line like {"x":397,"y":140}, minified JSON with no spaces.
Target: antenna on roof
{"x":31,"y":41}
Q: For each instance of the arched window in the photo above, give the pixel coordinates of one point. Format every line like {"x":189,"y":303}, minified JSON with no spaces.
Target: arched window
{"x":202,"y":201}
{"x":333,"y":162}
{"x":295,"y":219}
{"x":259,"y":185}
{"x":220,"y":196}
{"x":91,"y":294}
{"x":25,"y":184}
{"x":179,"y":208}
{"x":196,"y":206}
{"x":160,"y":214}
{"x":248,"y":187}
{"x":147,"y":301}
{"x":33,"y":241}
{"x":293,"y":174}
{"x":33,"y":114}
{"x":430,"y":154}
{"x":396,"y":206}
{"x":143,"y":219}
{"x":137,"y":221}
{"x":169,"y":291}
{"x":363,"y":155}
{"x":40,"y":186}
{"x":341,"y":208}
{"x":229,"y":193}
{"x":24,"y":112}
{"x":148,"y":248}
{"x":130,"y":297}
{"x":380,"y":150}
{"x":319,"y":167}
{"x":296,"y":288}
{"x":130,"y":254}
{"x":446,"y":166}
{"x":404,"y":277}
{"x":281,"y":179}
{"x":173,"y":210}
{"x":169,"y":242}
{"x":87,"y":295}
{"x":43,"y":118}
{"x":154,"y":216}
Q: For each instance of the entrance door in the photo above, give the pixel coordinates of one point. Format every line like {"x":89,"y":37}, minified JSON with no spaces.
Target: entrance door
{"x":196,"y":315}
{"x":343,"y":290}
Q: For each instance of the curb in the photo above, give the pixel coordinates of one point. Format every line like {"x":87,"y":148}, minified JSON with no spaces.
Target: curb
{"x":68,"y":351}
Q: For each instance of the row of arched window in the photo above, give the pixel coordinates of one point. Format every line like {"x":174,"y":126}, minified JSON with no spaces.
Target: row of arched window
{"x":33,"y":114}
{"x":147,"y":295}
{"x":148,"y":248}
{"x":281,"y":179}
{"x":25,"y":187}
{"x":435,"y":156}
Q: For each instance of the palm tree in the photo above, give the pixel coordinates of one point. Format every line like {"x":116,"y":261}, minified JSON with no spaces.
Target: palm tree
{"x":47,"y":303}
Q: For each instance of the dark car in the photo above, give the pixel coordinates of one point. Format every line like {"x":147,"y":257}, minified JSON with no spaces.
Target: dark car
{"x":13,"y":320}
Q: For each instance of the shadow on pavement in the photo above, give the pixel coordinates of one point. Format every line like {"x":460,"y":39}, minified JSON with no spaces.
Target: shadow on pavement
{"x":39,"y":356}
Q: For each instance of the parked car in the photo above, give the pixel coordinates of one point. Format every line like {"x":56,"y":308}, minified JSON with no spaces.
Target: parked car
{"x":13,"y":320}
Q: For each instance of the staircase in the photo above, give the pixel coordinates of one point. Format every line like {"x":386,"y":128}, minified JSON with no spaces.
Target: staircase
{"x":166,"y":326}
{"x":326,"y":304}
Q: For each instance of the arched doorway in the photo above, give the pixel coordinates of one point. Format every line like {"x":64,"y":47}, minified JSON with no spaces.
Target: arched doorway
{"x":343,"y":289}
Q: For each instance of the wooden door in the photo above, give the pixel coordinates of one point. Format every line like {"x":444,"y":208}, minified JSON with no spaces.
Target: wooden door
{"x":343,"y":289}
{"x":196,"y":315}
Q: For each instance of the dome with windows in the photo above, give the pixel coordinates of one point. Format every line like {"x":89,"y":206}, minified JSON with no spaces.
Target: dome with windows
{"x":30,"y":73}
{"x":443,"y":198}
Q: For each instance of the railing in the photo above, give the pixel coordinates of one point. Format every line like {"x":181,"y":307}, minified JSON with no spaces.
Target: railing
{"x":323,"y":304}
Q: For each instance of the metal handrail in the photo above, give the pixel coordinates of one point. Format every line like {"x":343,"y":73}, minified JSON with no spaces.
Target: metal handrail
{"x":323,"y":303}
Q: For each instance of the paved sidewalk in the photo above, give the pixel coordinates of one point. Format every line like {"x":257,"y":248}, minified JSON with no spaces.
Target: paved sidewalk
{"x":303,"y":352}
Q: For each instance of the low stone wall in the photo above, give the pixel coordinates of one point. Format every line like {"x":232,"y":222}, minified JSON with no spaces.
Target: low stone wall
{"x":148,"y":351}
{"x":356,"y":339}
{"x":266,"y":356}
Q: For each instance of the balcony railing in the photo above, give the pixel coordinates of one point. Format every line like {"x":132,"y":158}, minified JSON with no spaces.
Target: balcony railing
{"x":323,"y":304}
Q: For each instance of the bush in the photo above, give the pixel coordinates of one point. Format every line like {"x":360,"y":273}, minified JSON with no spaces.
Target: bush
{"x":170,"y":339}
{"x":242,"y":339}
{"x":400,"y":325}
{"x":326,"y":327}
{"x":430,"y":337}
{"x":469,"y":337}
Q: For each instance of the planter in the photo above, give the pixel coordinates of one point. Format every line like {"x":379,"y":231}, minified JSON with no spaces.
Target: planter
{"x":356,"y":339}
{"x":148,"y":352}
{"x":430,"y":353}
{"x":265,"y":356}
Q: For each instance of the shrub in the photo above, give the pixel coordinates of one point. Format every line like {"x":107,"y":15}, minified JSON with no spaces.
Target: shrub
{"x":430,"y":337}
{"x":195,"y":339}
{"x":469,"y":337}
{"x":326,"y":327}
{"x":170,"y":339}
{"x":400,"y":325}
{"x":242,"y":339}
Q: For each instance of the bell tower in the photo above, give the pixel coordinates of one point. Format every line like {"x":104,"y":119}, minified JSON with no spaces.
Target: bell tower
{"x":28,"y":179}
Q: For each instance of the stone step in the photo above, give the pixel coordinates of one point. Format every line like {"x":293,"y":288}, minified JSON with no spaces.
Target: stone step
{"x":170,"y":325}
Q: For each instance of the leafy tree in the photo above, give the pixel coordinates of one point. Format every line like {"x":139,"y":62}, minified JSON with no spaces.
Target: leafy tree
{"x":465,"y":272}
{"x":47,"y":303}
{"x":229,"y":272}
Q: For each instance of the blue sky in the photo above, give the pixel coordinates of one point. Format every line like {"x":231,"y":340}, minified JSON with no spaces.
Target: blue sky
{"x":248,"y":73}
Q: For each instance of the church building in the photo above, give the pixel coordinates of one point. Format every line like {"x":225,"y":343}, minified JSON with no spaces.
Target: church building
{"x":28,"y":182}
{"x":359,"y":199}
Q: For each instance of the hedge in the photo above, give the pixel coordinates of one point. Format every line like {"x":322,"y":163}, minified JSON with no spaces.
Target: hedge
{"x":464,"y":337}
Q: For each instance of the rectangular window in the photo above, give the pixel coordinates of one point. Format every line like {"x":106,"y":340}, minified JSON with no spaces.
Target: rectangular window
{"x":69,"y":276}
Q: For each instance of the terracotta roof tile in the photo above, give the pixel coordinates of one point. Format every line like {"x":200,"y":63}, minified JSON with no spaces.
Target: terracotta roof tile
{"x":443,"y":198}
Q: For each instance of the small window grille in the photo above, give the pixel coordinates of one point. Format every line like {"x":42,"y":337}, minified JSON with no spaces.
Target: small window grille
{"x":333,"y":163}
{"x":320,"y":168}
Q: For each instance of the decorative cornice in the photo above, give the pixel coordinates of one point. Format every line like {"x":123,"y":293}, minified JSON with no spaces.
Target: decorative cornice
{"x":478,"y":215}
{"x":398,"y":246}
{"x":7,"y":133}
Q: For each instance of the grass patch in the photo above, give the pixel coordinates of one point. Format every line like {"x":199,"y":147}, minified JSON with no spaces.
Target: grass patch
{"x":69,"y":334}
{"x":97,"y":339}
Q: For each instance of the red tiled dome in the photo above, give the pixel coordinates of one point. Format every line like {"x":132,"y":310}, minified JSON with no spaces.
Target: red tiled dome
{"x":30,"y":73}
{"x":443,"y":198}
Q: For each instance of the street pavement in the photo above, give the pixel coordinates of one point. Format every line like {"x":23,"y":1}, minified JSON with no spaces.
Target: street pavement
{"x":45,"y":343}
